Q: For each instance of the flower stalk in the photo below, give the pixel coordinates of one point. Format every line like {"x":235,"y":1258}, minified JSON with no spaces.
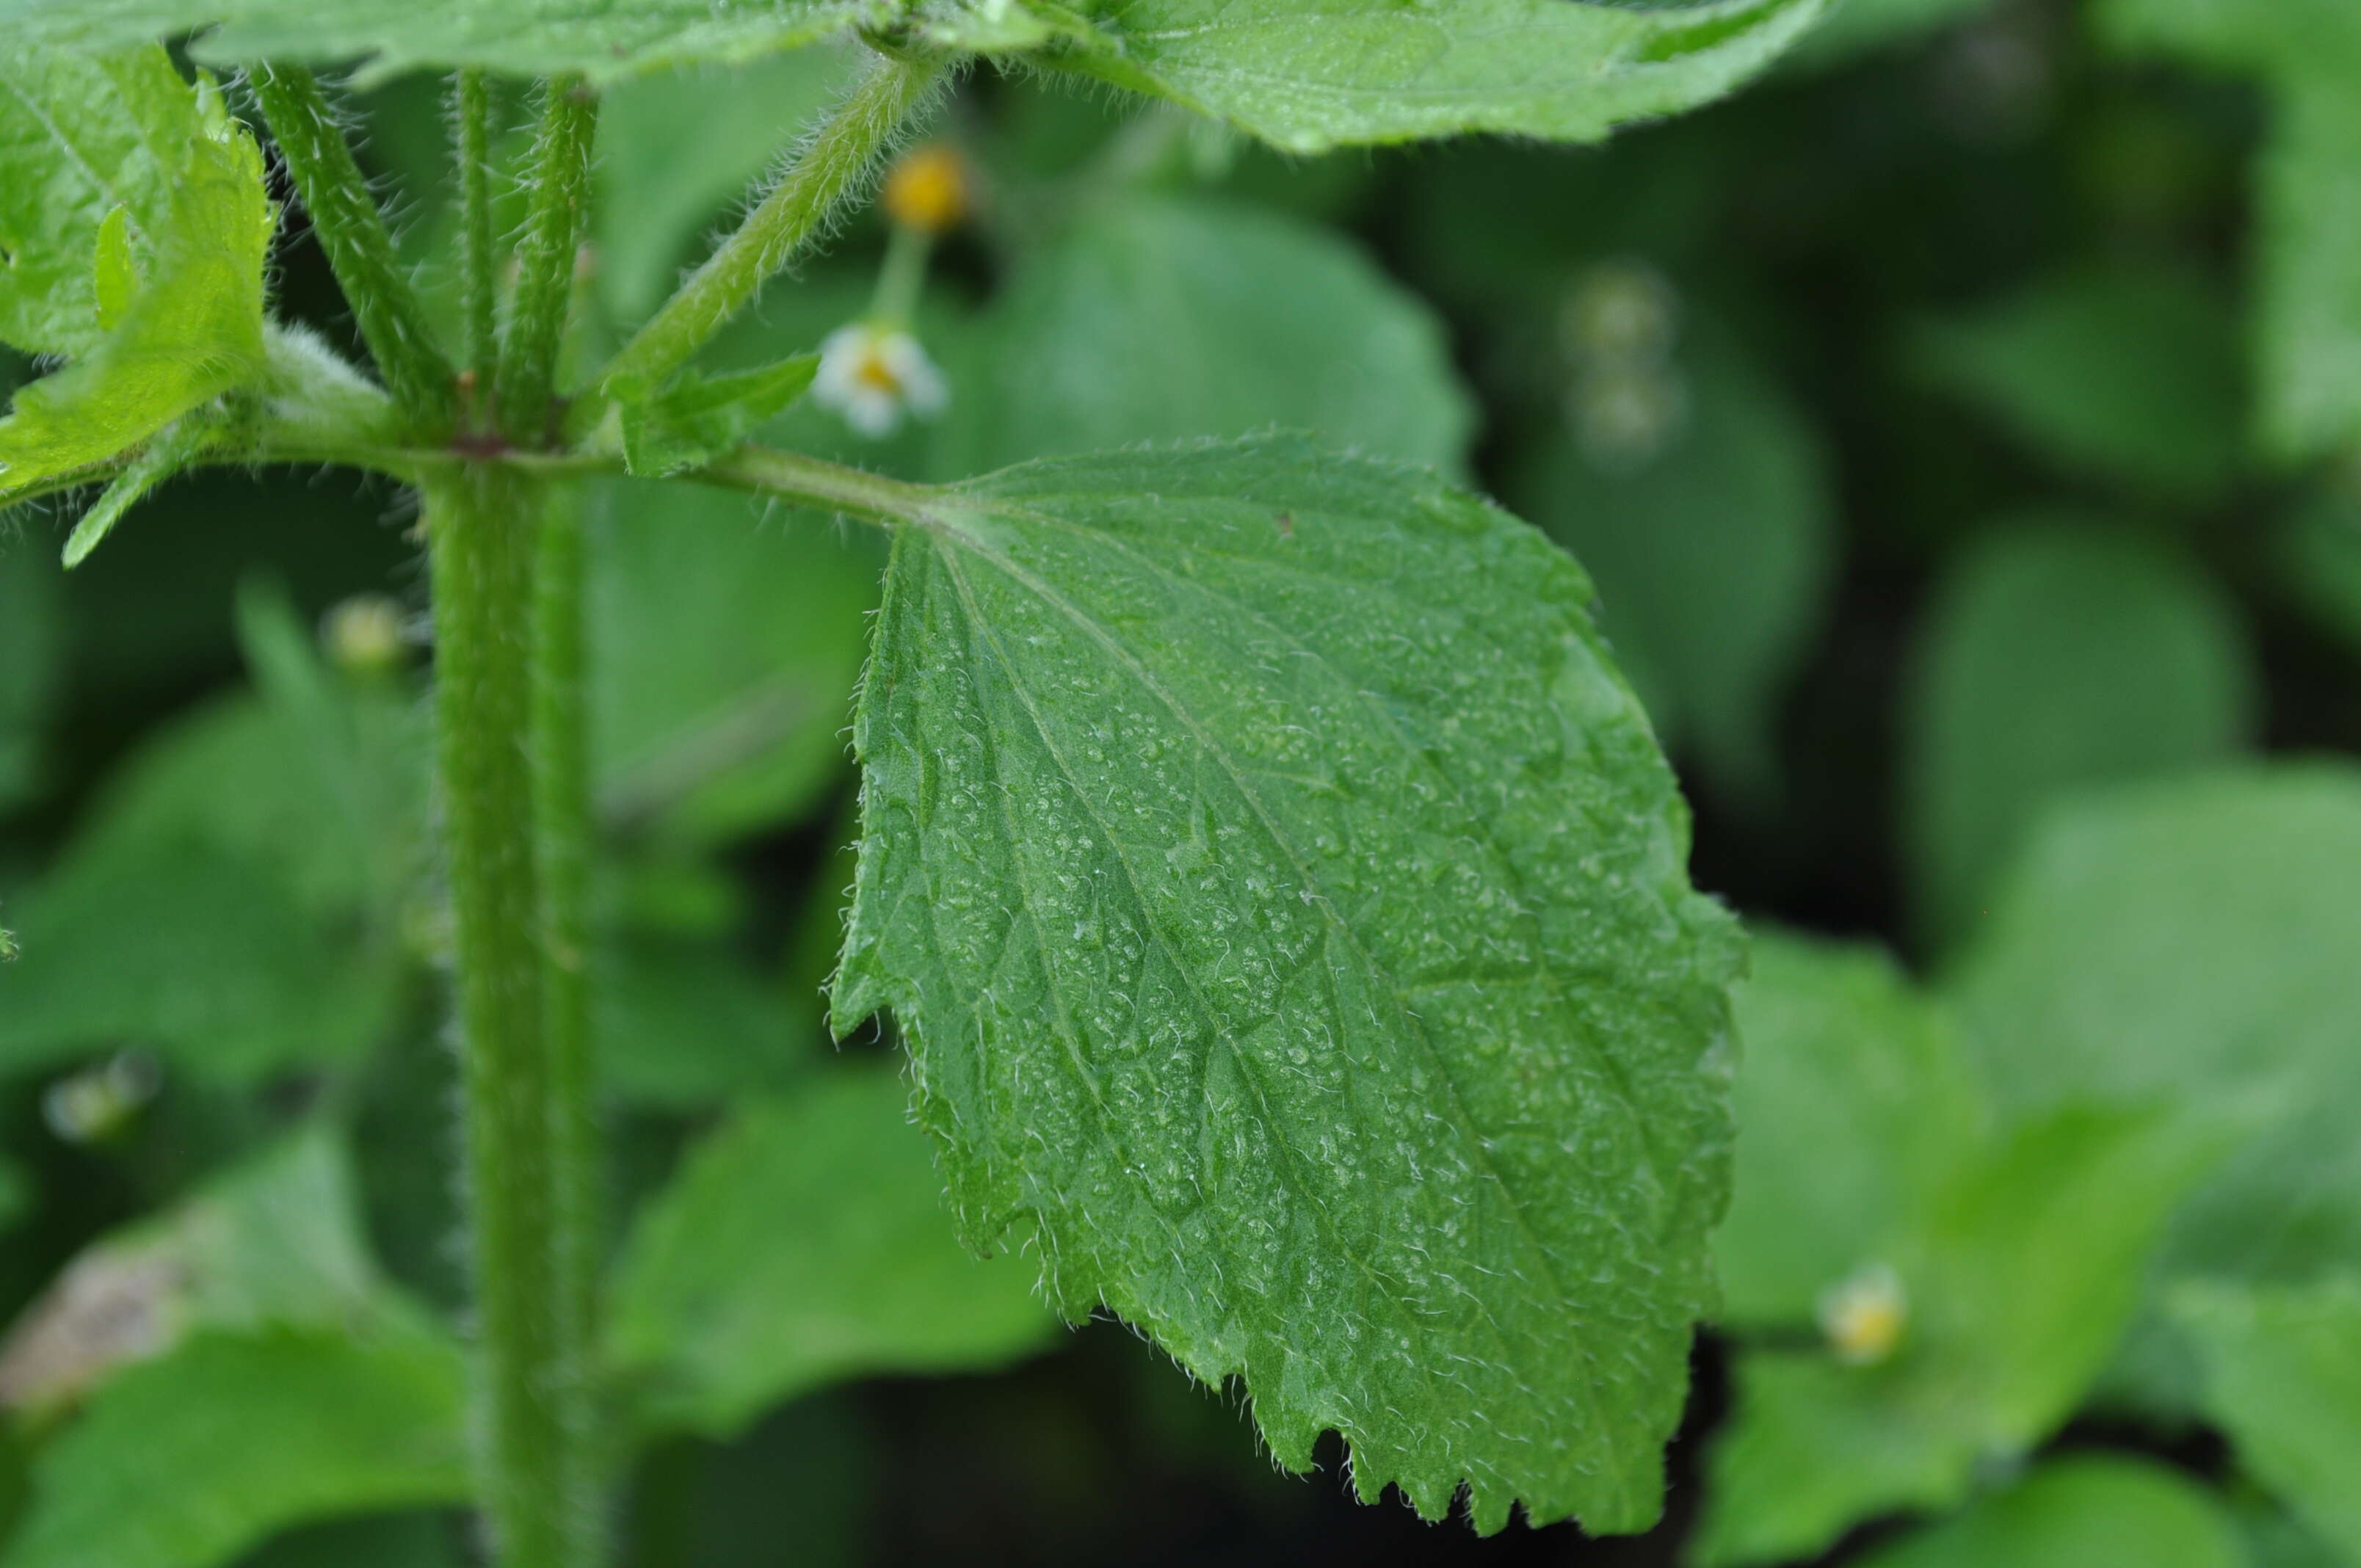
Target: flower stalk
{"x":830,"y":171}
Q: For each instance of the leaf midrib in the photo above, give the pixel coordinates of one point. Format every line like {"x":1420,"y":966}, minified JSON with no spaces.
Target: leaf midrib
{"x":1543,"y":969}
{"x":72,"y":152}
{"x":1414,"y":1026}
{"x":1305,"y":1189}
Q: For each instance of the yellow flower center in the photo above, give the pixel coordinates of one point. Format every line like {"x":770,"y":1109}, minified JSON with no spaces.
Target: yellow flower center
{"x":872,"y":371}
{"x":928,"y":189}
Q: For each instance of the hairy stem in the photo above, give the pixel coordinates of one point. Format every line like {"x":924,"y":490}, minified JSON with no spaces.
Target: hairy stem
{"x":471,"y":114}
{"x":481,"y":523}
{"x":561,"y":808}
{"x":360,"y":248}
{"x":545,"y":259}
{"x":830,"y":169}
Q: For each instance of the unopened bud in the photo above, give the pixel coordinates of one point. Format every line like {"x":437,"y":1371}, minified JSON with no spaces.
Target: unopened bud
{"x":1627,"y":414}
{"x":928,"y":189}
{"x":364,"y":635}
{"x":97,"y":1102}
{"x":1620,"y":312}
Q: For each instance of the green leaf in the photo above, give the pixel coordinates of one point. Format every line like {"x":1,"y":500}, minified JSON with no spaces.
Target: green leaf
{"x":275,"y":1239}
{"x":254,"y":864}
{"x":2307,"y":262}
{"x":677,"y":148}
{"x":728,"y":645}
{"x":2283,"y":1377}
{"x":251,"y":865}
{"x":2319,"y":557}
{"x":2195,"y":940}
{"x":1283,"y":900}
{"x":698,"y":417}
{"x":84,"y":144}
{"x":1156,"y":318}
{"x":1712,"y":543}
{"x":1858,"y":1108}
{"x":237,"y":981}
{"x":2307,"y":316}
{"x":805,"y":1242}
{"x":274,"y":1242}
{"x":164,"y":457}
{"x":1312,"y":74}
{"x":2127,"y":376}
{"x":2081,"y":1509}
{"x":996,"y":25}
{"x":2018,"y":1290}
{"x":115,"y":276}
{"x":189,"y":1460}
{"x":2040,"y":1256}
{"x":1856,"y":27}
{"x":196,"y":330}
{"x":1815,"y":1446}
{"x":2057,"y":657}
{"x":2275,"y":1540}
{"x":603,"y":39}
{"x":685,"y":1025}
{"x":414,"y":1539}
{"x":317,"y":778}
{"x":239,"y":776}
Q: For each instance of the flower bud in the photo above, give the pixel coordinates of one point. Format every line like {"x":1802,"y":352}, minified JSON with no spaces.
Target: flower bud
{"x":364,"y":635}
{"x":928,"y":189}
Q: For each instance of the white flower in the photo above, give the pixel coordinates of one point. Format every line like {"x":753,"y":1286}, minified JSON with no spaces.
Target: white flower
{"x":1865,"y":1316}
{"x":870,"y":373}
{"x":99,"y":1101}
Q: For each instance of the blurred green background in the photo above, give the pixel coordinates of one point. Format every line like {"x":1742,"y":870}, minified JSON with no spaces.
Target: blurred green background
{"x":1964,"y":428}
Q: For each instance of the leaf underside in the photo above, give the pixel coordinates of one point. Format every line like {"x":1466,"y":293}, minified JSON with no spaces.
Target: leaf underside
{"x":1305,"y":75}
{"x":1284,"y":902}
{"x":1312,"y":75}
{"x":602,"y":38}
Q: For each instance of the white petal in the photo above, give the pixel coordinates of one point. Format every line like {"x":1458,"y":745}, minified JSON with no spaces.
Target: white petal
{"x":871,"y":412}
{"x":841,"y":355}
{"x":922,"y":384}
